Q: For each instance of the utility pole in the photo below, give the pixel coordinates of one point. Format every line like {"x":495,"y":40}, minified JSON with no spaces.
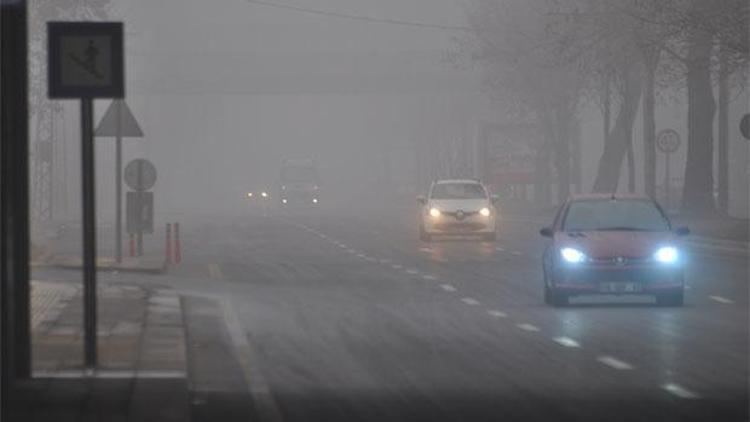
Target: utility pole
{"x":15,"y":352}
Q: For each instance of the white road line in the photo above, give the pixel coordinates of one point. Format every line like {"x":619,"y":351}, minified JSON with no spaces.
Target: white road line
{"x":429,"y":277}
{"x":499,"y":249}
{"x":566,"y":342}
{"x":470,"y":301}
{"x":688,"y":287}
{"x":214,"y":271}
{"x":396,"y":267}
{"x":721,"y":299}
{"x":679,"y":391}
{"x":497,"y":314}
{"x":425,"y":249}
{"x":516,"y":253}
{"x":385,"y":261}
{"x":412,"y":272}
{"x":448,"y":288}
{"x":342,"y":246}
{"x":528,"y":327}
{"x":361,"y":256}
{"x":614,"y":363}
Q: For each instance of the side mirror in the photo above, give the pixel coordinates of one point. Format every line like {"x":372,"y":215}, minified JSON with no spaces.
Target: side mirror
{"x":546,"y":232}
{"x":422,"y":200}
{"x":494,"y":198}
{"x":682,"y":231}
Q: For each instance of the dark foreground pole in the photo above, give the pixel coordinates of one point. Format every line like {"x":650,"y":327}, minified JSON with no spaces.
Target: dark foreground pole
{"x":89,"y":232}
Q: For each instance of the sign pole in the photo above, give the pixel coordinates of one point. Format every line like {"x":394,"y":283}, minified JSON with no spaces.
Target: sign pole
{"x":89,"y":232}
{"x":118,"y":184}
{"x":667,"y":181}
{"x":140,"y":231}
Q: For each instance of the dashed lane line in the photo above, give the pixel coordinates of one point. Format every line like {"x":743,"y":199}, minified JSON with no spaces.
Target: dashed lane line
{"x":567,"y":342}
{"x":497,"y":314}
{"x":528,"y":327}
{"x":614,"y":363}
{"x":679,"y":391}
{"x":412,"y":272}
{"x":448,"y":287}
{"x":429,"y":277}
{"x":396,"y":267}
{"x":470,"y":301}
{"x":721,"y":299}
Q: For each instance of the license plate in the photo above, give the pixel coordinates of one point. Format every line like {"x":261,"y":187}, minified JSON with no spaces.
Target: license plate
{"x":620,"y":287}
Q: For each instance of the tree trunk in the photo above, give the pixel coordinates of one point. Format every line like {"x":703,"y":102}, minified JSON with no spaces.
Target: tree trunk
{"x":542,"y":176}
{"x":616,"y":144}
{"x":649,"y":126}
{"x":697,"y":194}
{"x":723,"y":170}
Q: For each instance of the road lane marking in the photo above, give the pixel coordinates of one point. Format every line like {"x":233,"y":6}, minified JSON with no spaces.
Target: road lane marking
{"x":615,"y":363}
{"x":679,"y":391}
{"x":470,"y":301}
{"x":516,"y":253}
{"x":721,"y":299}
{"x":528,"y":327}
{"x":497,"y":314}
{"x":385,"y":261}
{"x":215,"y":271}
{"x":396,"y":267}
{"x":342,"y":246}
{"x":359,"y":255}
{"x":425,"y":249}
{"x":412,"y":272}
{"x":566,"y":342}
{"x":688,"y":287}
{"x":448,"y":288}
{"x":499,"y":249}
{"x":429,"y":277}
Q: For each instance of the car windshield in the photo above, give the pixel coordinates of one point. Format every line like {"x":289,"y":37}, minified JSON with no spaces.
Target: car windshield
{"x":458,"y":191}
{"x":298,"y":174}
{"x":614,"y":215}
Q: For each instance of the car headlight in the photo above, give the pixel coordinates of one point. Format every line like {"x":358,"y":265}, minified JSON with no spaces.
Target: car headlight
{"x":485,"y":212}
{"x":249,"y":194}
{"x":284,"y":201}
{"x":573,"y":256}
{"x":667,"y":255}
{"x":434,"y":212}
{"x":315,"y":200}
{"x":264,"y":194}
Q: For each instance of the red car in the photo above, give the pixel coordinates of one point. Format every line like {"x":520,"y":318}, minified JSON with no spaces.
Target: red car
{"x":614,"y":245}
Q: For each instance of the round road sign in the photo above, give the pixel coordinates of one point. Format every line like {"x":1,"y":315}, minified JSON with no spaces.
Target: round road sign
{"x":745,"y":126}
{"x":140,"y":174}
{"x":668,"y":141}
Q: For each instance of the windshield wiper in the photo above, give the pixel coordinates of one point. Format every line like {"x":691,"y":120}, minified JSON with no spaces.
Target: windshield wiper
{"x":628,"y":229}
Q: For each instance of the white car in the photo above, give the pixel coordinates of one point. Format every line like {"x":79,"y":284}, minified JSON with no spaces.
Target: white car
{"x":458,"y":207}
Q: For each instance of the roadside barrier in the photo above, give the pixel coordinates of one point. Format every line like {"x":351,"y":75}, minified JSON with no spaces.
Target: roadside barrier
{"x":168,"y":247}
{"x":177,"y":246}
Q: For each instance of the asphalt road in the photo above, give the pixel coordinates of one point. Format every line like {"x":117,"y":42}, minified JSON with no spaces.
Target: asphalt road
{"x":346,"y":316}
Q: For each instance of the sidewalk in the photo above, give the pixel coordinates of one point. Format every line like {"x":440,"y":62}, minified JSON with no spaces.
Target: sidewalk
{"x":142,"y":372}
{"x":60,"y":246}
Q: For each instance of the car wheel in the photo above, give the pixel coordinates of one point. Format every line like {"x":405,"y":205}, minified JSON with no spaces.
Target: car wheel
{"x":554,"y":297}
{"x":670,"y":299}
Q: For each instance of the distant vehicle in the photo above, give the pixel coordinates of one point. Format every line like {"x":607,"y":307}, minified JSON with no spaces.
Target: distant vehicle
{"x":457,"y":207}
{"x":299,"y":183}
{"x":614,"y":245}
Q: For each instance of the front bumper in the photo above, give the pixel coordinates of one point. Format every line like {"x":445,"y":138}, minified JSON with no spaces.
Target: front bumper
{"x":447,"y":224}
{"x":628,"y":280}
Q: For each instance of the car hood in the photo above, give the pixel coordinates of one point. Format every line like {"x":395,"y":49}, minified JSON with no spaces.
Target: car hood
{"x":453,"y":205}
{"x":607,"y":244}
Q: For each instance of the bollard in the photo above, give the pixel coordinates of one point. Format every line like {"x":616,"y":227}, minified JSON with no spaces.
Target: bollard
{"x":132,"y":245}
{"x":168,"y":251}
{"x":177,"y":246}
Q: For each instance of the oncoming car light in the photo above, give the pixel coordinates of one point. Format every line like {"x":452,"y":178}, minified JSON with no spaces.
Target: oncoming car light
{"x":667,"y":255}
{"x":485,"y":212}
{"x":573,"y":256}
{"x":434,"y":212}
{"x":264,"y":194}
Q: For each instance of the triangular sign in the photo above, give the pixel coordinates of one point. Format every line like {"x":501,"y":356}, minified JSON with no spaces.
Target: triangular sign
{"x":129,"y":127}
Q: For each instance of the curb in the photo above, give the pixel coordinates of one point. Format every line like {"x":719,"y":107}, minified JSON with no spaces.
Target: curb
{"x":155,"y":267}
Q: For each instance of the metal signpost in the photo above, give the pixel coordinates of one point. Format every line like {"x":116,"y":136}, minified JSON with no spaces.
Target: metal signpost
{"x":140,"y":175}
{"x":668,"y":141}
{"x":119,"y":122}
{"x":85,"y":61}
